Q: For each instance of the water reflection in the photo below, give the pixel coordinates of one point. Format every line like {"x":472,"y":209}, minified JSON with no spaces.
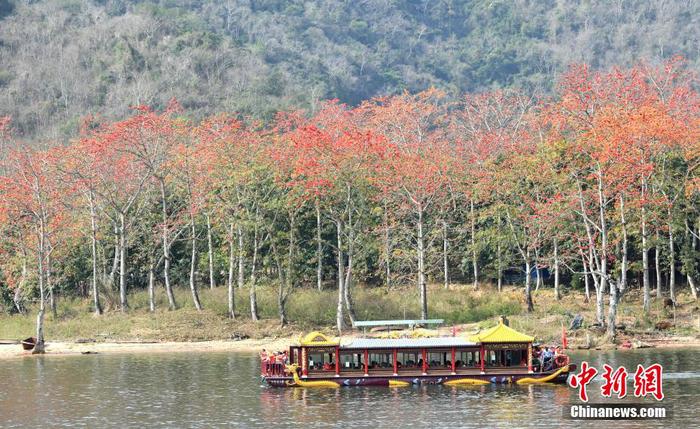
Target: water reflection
{"x":225,"y":390}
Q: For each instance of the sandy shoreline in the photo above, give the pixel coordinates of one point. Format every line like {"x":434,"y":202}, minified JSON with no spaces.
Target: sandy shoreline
{"x":67,"y":348}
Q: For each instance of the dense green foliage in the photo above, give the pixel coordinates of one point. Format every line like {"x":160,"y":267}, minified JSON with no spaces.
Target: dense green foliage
{"x":63,"y":59}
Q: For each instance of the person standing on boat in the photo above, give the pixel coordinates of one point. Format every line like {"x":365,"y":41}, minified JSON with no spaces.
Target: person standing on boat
{"x":547,"y":356}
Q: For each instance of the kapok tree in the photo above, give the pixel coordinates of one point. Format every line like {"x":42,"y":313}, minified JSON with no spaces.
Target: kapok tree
{"x":608,"y":121}
{"x":117,"y":178}
{"x":414,"y":174}
{"x":483,"y":127}
{"x":31,"y":194}
{"x":241,"y":176}
{"x":334,"y":161}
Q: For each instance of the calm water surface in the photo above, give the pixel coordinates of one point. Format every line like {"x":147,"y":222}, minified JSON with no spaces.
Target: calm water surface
{"x":209,"y":390}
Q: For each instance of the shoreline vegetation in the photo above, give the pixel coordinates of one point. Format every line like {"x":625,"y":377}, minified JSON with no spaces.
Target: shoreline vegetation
{"x":594,"y":188}
{"x":76,"y":330}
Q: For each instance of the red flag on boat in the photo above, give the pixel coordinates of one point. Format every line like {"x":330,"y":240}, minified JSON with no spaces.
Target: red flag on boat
{"x":564,"y":342}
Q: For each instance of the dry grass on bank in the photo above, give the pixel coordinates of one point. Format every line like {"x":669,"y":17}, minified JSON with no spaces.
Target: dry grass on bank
{"x":310,"y":309}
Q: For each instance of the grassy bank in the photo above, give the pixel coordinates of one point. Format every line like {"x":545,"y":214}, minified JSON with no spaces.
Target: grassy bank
{"x":309,"y":309}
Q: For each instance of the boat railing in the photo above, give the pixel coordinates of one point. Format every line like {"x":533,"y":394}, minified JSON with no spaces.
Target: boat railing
{"x":273,"y":366}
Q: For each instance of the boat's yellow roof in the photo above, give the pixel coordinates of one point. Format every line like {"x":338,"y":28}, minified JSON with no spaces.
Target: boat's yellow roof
{"x":317,"y":339}
{"x":501,"y":334}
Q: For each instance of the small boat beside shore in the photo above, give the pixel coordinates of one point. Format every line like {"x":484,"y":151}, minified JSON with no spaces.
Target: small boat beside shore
{"x":28,"y":343}
{"x":496,"y":355}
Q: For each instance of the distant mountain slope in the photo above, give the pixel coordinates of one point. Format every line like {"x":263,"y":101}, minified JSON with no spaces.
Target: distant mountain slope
{"x":62,"y":59}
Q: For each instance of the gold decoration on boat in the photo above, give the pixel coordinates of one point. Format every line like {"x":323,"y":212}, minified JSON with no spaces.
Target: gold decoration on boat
{"x":304,"y":383}
{"x":466,"y":382}
{"x":550,"y":377}
{"x":317,"y":339}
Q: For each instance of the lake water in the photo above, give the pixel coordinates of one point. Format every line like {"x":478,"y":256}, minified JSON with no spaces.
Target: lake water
{"x":224,"y":389}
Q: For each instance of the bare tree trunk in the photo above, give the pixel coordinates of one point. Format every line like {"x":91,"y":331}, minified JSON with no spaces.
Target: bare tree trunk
{"x":253,"y":274}
{"x":387,"y":249}
{"x":587,"y":292}
{"x":281,"y":304}
{"x":49,"y":285}
{"x":287,"y":281}
{"x":39,"y":347}
{"x":612,"y":312}
{"x":347,"y":296}
{"x":241,"y":269}
{"x":422,"y":286}
{"x":231,"y":259}
{"x":340,"y":321}
{"x":623,"y":264}
{"x":557,"y":295}
{"x":528,"y":287}
{"x":151,"y":286}
{"x":193,"y":265}
{"x":693,"y":246}
{"x":475,"y":262}
{"x":599,"y":301}
{"x":538,"y":272}
{"x":445,"y":260}
{"x":210,"y":252}
{"x":672,"y":260}
{"x":599,"y":305}
{"x":166,"y":249}
{"x":693,"y":286}
{"x":17,"y":297}
{"x":281,"y":307}
{"x":657,"y":262}
{"x":122,"y":263}
{"x":319,"y":249}
{"x":93,"y":248}
{"x":499,"y":264}
{"x":594,"y":275}
{"x":603,"y":254}
{"x":115,"y":260}
{"x":645,"y":256}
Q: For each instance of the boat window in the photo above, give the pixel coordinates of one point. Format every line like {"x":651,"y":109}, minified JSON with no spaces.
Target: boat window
{"x":381,"y":360}
{"x":440,"y":359}
{"x":408,"y":359}
{"x":506,"y":357}
{"x":515,"y":358}
{"x":321,"y":361}
{"x":468,"y":359}
{"x":350,"y":360}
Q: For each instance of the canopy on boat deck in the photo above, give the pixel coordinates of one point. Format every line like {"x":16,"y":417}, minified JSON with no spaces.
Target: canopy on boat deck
{"x":501,"y":334}
{"x":406,"y":343}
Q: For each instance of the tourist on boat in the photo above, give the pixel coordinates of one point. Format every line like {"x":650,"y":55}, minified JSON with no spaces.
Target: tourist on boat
{"x":547,"y":358}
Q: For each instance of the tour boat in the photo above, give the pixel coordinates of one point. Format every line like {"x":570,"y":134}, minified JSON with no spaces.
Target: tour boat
{"x":497,"y":355}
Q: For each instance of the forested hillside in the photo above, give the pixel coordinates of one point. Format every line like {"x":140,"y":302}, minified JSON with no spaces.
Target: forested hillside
{"x":63,"y":59}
